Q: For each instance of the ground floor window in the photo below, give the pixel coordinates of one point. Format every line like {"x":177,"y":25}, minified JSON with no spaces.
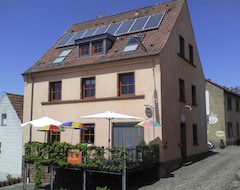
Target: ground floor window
{"x":87,"y":135}
{"x":127,"y":134}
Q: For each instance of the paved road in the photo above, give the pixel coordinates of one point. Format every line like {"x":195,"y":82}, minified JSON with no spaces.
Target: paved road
{"x":221,"y":171}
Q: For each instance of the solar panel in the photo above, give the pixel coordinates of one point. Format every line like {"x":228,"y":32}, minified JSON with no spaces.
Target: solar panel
{"x":75,"y":37}
{"x":154,"y":21}
{"x":113,"y":27}
{"x":138,"y":24}
{"x":65,"y":39}
{"x":124,"y":28}
{"x":89,"y":33}
{"x":101,"y":30}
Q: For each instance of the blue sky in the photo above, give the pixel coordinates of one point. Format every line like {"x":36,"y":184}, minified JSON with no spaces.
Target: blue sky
{"x":29,"y":28}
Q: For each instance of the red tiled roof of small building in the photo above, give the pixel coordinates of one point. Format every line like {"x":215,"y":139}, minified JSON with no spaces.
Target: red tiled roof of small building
{"x":17,"y":103}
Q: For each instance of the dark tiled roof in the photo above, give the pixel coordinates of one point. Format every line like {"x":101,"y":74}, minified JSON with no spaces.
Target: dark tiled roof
{"x":154,"y":40}
{"x":17,"y":103}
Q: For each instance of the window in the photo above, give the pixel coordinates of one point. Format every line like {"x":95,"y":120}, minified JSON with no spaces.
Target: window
{"x":88,"y":134}
{"x":132,"y":44}
{"x":88,"y":87}
{"x":229,"y":103}
{"x":181,"y":90}
{"x":62,"y":56}
{"x":53,"y":136}
{"x":84,"y":50}
{"x":182,"y":48}
{"x":55,"y":91}
{"x":195,"y":135}
{"x":126,"y":84}
{"x":97,"y":47}
{"x":190,"y":54}
{"x":4,"y":120}
{"x":237,"y":106}
{"x":194,"y":95}
{"x":230,"y":130}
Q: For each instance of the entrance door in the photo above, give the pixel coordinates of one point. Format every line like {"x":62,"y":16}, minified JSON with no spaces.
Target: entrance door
{"x":183,"y":141}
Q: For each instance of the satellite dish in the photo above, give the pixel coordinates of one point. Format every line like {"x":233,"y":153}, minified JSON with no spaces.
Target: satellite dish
{"x":100,"y":15}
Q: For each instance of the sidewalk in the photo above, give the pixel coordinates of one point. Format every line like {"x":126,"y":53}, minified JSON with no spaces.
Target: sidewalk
{"x":18,"y":186}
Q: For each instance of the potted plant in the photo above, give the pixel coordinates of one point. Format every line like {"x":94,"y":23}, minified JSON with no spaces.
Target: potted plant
{"x":221,"y":144}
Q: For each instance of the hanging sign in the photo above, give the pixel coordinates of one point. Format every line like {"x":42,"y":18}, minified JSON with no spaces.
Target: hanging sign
{"x":148,"y":112}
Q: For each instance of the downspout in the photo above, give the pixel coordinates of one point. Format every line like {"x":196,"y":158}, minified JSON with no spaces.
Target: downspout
{"x":31,"y":106}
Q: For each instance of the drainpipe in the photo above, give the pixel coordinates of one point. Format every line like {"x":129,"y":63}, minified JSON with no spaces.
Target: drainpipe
{"x":155,"y":93}
{"x":31,"y":107}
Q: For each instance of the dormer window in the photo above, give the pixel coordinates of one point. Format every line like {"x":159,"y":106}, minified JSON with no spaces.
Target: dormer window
{"x":97,"y":47}
{"x":132,"y":44}
{"x":84,"y":50}
{"x":62,"y":56}
{"x":94,"y":46}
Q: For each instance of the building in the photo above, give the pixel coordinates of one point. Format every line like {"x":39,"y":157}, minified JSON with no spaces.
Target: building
{"x":144,"y":59}
{"x":11,"y":112}
{"x":223,"y":111}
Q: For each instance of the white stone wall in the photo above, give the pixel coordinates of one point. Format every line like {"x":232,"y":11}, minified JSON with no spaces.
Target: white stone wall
{"x":11,"y":141}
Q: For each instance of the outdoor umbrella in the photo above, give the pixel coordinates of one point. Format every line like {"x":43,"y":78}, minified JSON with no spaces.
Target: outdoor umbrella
{"x":110,"y":115}
{"x":50,"y":128}
{"x":73,"y":125}
{"x":148,"y":123}
{"x":43,"y":121}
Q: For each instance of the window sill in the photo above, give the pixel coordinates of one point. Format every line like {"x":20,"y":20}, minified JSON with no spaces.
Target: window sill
{"x":186,"y":60}
{"x":95,"y":100}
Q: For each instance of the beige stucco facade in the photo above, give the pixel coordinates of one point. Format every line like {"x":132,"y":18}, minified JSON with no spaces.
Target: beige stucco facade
{"x":156,"y":84}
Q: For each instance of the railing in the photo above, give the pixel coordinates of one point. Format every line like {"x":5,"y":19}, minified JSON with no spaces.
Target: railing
{"x":83,"y":156}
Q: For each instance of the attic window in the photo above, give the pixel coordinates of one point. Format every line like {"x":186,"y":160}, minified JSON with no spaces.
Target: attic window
{"x":62,"y":56}
{"x":132,"y":44}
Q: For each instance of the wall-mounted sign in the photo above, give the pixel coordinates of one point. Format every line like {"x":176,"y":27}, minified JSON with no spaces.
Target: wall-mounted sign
{"x":148,"y":112}
{"x":220,"y":133}
{"x":212,"y":119}
{"x":74,"y":158}
{"x":183,"y":117}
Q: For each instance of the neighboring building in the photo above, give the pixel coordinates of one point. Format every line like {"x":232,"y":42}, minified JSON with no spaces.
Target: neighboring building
{"x":223,"y":112}
{"x":122,"y":63}
{"x":11,"y":113}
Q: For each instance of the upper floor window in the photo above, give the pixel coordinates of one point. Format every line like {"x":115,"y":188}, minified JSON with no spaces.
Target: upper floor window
{"x":62,"y":56}
{"x":4,"y":119}
{"x":194,"y":95}
{"x":229,"y":103}
{"x":55,"y":91}
{"x":191,"y":54}
{"x":126,"y":84}
{"x":182,"y":46}
{"x":237,"y":106}
{"x":88,"y":134}
{"x":84,"y":50}
{"x":97,"y":47}
{"x":88,"y":87}
{"x":181,"y":90}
